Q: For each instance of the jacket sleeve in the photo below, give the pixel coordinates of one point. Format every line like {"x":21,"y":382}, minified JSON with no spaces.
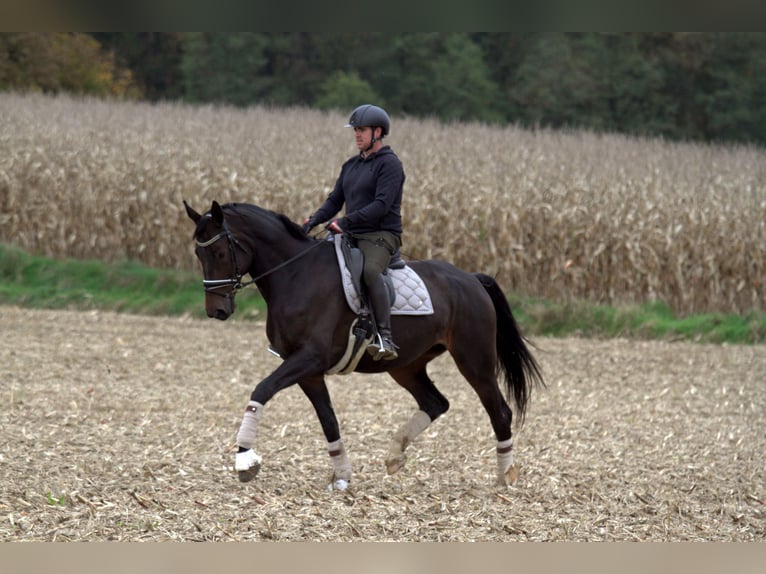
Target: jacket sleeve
{"x":332,"y":205}
{"x":389,"y":181}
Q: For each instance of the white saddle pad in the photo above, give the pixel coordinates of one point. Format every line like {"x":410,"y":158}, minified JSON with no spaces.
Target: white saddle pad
{"x":412,"y":297}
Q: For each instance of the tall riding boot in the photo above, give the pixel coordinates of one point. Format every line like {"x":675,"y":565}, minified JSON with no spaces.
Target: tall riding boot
{"x":381,"y":347}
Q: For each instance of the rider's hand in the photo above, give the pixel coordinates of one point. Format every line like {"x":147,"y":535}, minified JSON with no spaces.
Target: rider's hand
{"x":307,"y":225}
{"x":334,"y":227}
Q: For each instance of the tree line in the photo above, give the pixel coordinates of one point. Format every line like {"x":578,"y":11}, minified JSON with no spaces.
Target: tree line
{"x":700,"y":86}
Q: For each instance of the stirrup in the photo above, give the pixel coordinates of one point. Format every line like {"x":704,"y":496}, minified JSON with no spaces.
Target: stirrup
{"x":382,"y":348}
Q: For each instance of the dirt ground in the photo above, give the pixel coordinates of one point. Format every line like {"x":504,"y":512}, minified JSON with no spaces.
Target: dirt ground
{"x":119,"y":427}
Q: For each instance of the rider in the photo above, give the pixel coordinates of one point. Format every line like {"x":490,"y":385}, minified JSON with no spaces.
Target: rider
{"x":370,"y":184}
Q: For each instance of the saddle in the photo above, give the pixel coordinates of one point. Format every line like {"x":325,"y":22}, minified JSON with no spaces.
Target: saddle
{"x":407,"y":292}
{"x":354,"y":261}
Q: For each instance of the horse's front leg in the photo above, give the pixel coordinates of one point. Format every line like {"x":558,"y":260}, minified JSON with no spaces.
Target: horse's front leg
{"x":296,"y":368}
{"x":316,"y":391}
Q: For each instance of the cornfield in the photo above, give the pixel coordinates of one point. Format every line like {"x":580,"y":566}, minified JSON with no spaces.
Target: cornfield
{"x":563,"y":215}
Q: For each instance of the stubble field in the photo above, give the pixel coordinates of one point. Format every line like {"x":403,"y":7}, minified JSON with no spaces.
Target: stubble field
{"x":119,"y":427}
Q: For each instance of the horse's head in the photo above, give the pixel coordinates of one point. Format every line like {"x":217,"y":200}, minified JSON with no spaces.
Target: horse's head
{"x":224,"y":260}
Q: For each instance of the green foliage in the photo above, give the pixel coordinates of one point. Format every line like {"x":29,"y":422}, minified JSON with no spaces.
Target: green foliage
{"x":40,"y":282}
{"x":648,"y":321}
{"x":708,"y":86}
{"x":36,"y":281}
{"x":602,"y":82}
{"x":61,"y":62}
{"x":55,"y":500}
{"x":436,"y":74}
{"x":344,"y":91}
{"x":734,"y":90}
{"x":224,"y":67}
{"x":153,"y":57}
{"x":462,"y":87}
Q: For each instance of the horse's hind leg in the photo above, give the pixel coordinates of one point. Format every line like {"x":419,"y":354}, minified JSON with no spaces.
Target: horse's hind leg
{"x":500,"y":416}
{"x":431,"y":404}
{"x":316,"y":391}
{"x":478,"y":367}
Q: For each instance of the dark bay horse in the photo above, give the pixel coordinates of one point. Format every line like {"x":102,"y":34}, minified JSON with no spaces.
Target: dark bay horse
{"x":309,"y":320}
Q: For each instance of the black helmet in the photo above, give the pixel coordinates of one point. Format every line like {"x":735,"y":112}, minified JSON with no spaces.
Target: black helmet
{"x":370,"y":116}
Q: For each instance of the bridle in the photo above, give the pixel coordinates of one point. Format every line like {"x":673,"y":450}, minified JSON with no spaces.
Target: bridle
{"x":235,"y":281}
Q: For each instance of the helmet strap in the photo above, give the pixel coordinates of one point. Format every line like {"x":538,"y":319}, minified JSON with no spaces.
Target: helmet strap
{"x":373,"y":139}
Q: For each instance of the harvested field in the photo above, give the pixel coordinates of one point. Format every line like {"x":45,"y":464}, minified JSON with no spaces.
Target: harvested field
{"x":119,"y":427}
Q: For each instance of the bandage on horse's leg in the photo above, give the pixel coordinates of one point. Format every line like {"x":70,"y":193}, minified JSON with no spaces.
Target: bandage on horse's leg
{"x":479,"y":367}
{"x":431,"y":404}
{"x":315,"y":389}
{"x":507,"y":472}
{"x":247,"y":463}
{"x":341,"y":465}
{"x":396,"y":459}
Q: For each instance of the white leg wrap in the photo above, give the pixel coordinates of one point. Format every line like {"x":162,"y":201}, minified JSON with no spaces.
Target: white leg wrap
{"x":410,"y":430}
{"x":419,"y":422}
{"x":341,"y":465}
{"x":246,"y":460}
{"x":246,"y":434}
{"x":504,"y":457}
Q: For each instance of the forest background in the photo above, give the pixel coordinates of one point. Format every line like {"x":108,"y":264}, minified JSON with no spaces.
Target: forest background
{"x":680,"y":86}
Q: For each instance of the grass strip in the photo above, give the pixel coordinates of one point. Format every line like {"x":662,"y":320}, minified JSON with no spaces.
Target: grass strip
{"x":40,"y":282}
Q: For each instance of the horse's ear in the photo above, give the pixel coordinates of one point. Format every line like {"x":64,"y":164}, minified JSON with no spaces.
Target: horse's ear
{"x":216,"y":213}
{"x":193,"y":215}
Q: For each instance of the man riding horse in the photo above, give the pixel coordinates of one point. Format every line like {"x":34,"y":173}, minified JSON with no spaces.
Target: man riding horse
{"x":370,"y":184}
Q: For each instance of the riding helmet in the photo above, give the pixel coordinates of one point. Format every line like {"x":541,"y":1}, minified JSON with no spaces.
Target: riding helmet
{"x":368,"y":115}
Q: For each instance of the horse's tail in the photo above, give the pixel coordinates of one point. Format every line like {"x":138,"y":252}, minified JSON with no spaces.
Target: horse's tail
{"x":514,"y":358}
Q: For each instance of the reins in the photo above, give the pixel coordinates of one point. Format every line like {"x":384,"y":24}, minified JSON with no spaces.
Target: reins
{"x":284,"y":263}
{"x":236,"y":282}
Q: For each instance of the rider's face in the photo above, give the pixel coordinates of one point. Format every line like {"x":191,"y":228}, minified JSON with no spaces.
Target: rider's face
{"x":362,"y":136}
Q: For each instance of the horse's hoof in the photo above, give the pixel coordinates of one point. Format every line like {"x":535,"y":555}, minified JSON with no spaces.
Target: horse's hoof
{"x":247,"y":464}
{"x":248,"y":475}
{"x":394,"y":465}
{"x":510,"y":477}
{"x":339,"y":484}
{"x":339,"y":480}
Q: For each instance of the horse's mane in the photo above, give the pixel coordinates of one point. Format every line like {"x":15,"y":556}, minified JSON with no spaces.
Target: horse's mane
{"x":248,"y":210}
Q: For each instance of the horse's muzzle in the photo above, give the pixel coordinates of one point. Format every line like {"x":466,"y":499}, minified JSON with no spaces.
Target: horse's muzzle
{"x":218,"y":307}
{"x":219,"y":314}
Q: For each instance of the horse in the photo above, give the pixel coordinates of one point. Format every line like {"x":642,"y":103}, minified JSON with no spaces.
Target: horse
{"x":309,"y":320}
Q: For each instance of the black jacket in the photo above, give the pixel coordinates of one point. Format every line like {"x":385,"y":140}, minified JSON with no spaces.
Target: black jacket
{"x":371,"y":188}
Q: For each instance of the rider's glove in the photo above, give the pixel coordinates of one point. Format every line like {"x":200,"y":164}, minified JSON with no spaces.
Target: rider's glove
{"x":307,"y":225}
{"x":334,"y":227}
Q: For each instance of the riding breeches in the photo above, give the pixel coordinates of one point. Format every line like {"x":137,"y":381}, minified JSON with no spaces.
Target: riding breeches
{"x":378,"y":247}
